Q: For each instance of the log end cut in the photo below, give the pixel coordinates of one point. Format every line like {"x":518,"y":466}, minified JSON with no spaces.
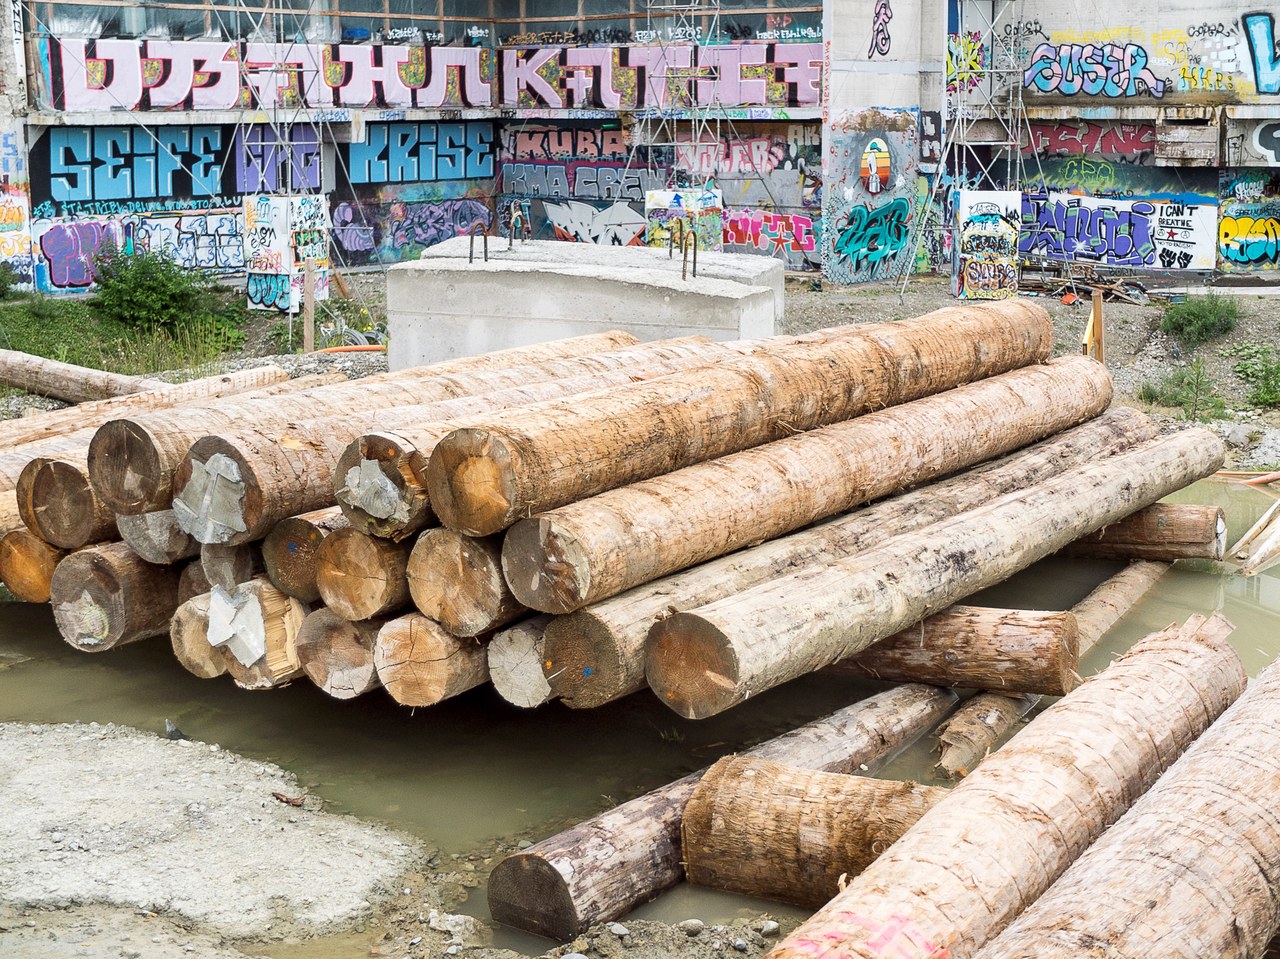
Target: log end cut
{"x":528,"y":892}
{"x":127,"y":469}
{"x":215,"y":492}
{"x":471,"y":481}
{"x":67,"y":512}
{"x":26,"y":565}
{"x":546,"y":567}
{"x":457,"y":581}
{"x":584,"y":665}
{"x":692,"y":667}
{"x":380,"y":491}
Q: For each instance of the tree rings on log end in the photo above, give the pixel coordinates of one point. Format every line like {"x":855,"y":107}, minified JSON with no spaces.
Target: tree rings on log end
{"x":584,"y":664}
{"x":360,"y":576}
{"x":421,"y":664}
{"x":692,"y":666}
{"x":126,"y":468}
{"x":337,"y":654}
{"x":67,"y":513}
{"x":471,"y":480}
{"x":457,"y":580}
{"x":545,"y":566}
{"x":527,"y":892}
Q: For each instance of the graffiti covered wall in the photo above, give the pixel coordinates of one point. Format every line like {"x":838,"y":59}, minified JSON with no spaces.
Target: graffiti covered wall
{"x":1249,"y":227}
{"x":988,"y":222}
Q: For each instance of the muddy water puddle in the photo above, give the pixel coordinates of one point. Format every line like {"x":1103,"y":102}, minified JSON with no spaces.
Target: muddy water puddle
{"x":475,"y":771}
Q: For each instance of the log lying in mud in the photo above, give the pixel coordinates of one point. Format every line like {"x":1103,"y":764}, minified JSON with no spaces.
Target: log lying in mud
{"x":156,"y":537}
{"x":775,"y":831}
{"x":258,"y":626}
{"x":26,"y":565}
{"x":991,"y":846}
{"x":189,"y":636}
{"x":597,"y":654}
{"x":105,"y":596}
{"x":361,"y":576}
{"x":337,"y":654}
{"x":1192,"y":870}
{"x":229,"y":566}
{"x":515,"y":663}
{"x":66,"y":381}
{"x":457,"y":580}
{"x":587,"y":551}
{"x":192,"y":582}
{"x":704,"y":661}
{"x":289,"y":551}
{"x":1163,"y":532}
{"x":58,"y":504}
{"x":486,"y":476}
{"x":132,"y":460}
{"x":605,"y":866}
{"x":421,"y":664}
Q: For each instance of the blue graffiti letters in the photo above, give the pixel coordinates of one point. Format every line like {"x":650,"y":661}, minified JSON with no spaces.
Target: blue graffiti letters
{"x":410,"y":152}
{"x":1108,"y":70}
{"x":1260,"y":31}
{"x":872,"y":236}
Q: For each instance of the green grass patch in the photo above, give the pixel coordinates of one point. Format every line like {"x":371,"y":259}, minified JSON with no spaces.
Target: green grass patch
{"x":1259,"y":367}
{"x":1187,"y":389}
{"x":1199,"y":319}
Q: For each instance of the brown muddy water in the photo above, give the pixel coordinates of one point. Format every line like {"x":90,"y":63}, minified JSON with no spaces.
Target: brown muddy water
{"x":473,"y":771}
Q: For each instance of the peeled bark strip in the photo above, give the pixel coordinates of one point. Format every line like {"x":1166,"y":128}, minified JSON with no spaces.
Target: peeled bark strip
{"x":421,"y":664}
{"x":105,"y":596}
{"x":587,"y":551}
{"x":1191,"y":871}
{"x":597,"y":654}
{"x":192,"y":582}
{"x":775,"y":831}
{"x":66,"y":381}
{"x":486,"y":476}
{"x":515,"y":663}
{"x":337,"y":654}
{"x":59,"y":505}
{"x":1163,"y":532}
{"x":229,"y":566}
{"x":457,"y":580}
{"x":132,"y":460}
{"x":990,"y":847}
{"x":360,"y":576}
{"x":705,"y":661}
{"x":156,"y":536}
{"x":289,"y":551}
{"x":607,"y":865}
{"x":26,"y":565}
{"x":189,"y":634}
{"x":259,"y":627}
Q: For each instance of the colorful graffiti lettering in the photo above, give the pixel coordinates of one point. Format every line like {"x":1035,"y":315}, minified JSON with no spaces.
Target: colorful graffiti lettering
{"x":582,"y":181}
{"x":1068,"y":228}
{"x":881,"y":42}
{"x":268,"y":160}
{"x":1087,"y":137}
{"x":562,"y":143}
{"x":1107,"y":70}
{"x":770,"y":232}
{"x":755,"y":155}
{"x":869,"y":237}
{"x":1260,"y":33}
{"x":1203,"y":78}
{"x":411,"y":152}
{"x":68,"y":249}
{"x":983,"y":280}
{"x":967,"y":62}
{"x":1248,"y":241}
{"x":269,"y":291}
{"x":989,"y":222}
{"x":416,"y":225}
{"x":615,"y":225}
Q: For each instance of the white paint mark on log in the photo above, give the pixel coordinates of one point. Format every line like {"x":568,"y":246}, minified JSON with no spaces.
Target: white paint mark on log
{"x":210,"y":506}
{"x":83,"y":621}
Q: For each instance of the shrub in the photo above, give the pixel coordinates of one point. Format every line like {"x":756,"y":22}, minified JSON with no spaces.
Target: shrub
{"x":1259,"y":367}
{"x":1187,"y":388}
{"x":1201,"y":318}
{"x":7,"y":280}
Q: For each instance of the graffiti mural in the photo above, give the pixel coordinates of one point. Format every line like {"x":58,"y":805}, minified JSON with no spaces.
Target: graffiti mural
{"x":281,"y":233}
{"x":15,"y":236}
{"x":988,"y":222}
{"x":1107,"y":70}
{"x":617,"y":224}
{"x":967,"y":61}
{"x":413,"y":152}
{"x":1136,"y":140}
{"x":1249,"y":226}
{"x":679,"y":211}
{"x":1260,"y":33}
{"x":881,"y":42}
{"x":772,"y":233}
{"x":392,"y":223}
{"x":1252,"y":142}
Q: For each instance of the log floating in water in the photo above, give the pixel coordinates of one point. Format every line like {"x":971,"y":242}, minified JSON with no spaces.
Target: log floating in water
{"x":58,"y":504}
{"x":289,"y":551}
{"x":26,"y":565}
{"x":457,"y":580}
{"x":603,"y":867}
{"x":991,"y":846}
{"x":337,"y":654}
{"x":1163,"y":532}
{"x":421,"y":664}
{"x":105,"y":596}
{"x":189,"y":635}
{"x":156,"y":537}
{"x":229,"y":566}
{"x":515,"y":663}
{"x":259,"y":626}
{"x":361,"y":576}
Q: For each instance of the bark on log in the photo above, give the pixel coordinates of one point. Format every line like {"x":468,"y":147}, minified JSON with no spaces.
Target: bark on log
{"x":1163,"y":532}
{"x":192,"y":582}
{"x":132,"y":460}
{"x":189,"y":635}
{"x":66,"y":381}
{"x":360,"y":576}
{"x":457,"y":580}
{"x":515,"y":663}
{"x":289,"y":551}
{"x":775,"y":831}
{"x":26,"y":565}
{"x":157,"y":538}
{"x":258,"y":625}
{"x":990,"y":847}
{"x":1192,"y":870}
{"x":59,"y":505}
{"x":588,"y":551}
{"x":229,"y":566}
{"x":105,"y":596}
{"x":421,"y":664}
{"x":605,"y":866}
{"x":702,"y":662}
{"x":337,"y":654}
{"x":486,"y":476}
{"x":233,"y":486}
{"x":597,"y":654}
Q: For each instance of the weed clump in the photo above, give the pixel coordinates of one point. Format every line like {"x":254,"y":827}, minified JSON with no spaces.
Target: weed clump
{"x":1199,"y":319}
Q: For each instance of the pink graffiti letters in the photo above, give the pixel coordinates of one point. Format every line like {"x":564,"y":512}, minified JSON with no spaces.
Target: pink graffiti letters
{"x":769,"y":232}
{"x":880,"y":39}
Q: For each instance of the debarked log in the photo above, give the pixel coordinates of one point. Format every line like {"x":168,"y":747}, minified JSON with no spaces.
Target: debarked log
{"x":289,"y":551}
{"x":337,"y":654}
{"x":515,"y":663}
{"x":58,"y":504}
{"x":105,"y":596}
{"x":66,"y":381}
{"x":229,"y":566}
{"x":361,"y":576}
{"x":457,"y":580}
{"x":1163,"y":532}
{"x":189,"y":636}
{"x":156,"y":536}
{"x":258,"y":627}
{"x":421,"y":664}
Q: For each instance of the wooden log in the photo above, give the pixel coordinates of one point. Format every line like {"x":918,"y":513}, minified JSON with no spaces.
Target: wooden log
{"x":457,"y":580}
{"x":9,"y":516}
{"x":66,"y":381}
{"x":337,"y":654}
{"x":1192,"y":870}
{"x":192,"y":582}
{"x":421,"y":664}
{"x":515,"y":663}
{"x":361,"y":576}
{"x":14,"y":460}
{"x":603,"y":867}
{"x":132,"y":460}
{"x":105,"y":596}
{"x":584,"y":552}
{"x":258,"y":626}
{"x":486,"y":476}
{"x":704,"y":661}
{"x":156,"y":537}
{"x":58,"y":504}
{"x":597,"y":654}
{"x":775,"y":831}
{"x":289,"y":551}
{"x":233,"y":486}
{"x":1103,"y":607}
{"x":189,"y":634}
{"x":1163,"y":532}
{"x":229,"y":566}
{"x":26,"y":565}
{"x":991,"y":846}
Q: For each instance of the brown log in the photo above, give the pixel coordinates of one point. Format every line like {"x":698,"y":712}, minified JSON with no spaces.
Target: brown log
{"x":233,"y":486}
{"x":189,"y":634}
{"x":1163,"y":532}
{"x":1103,"y":607}
{"x":1192,"y":870}
{"x":337,"y":654}
{"x":132,"y":460}
{"x":9,"y":516}
{"x":156,"y":537}
{"x":26,"y":565}
{"x":66,"y":381}
{"x":486,"y":476}
{"x":15,"y":459}
{"x":258,"y":626}
{"x":515,"y":663}
{"x":421,"y":664}
{"x":775,"y":831}
{"x":587,"y":551}
{"x":603,"y":867}
{"x":58,"y":504}
{"x":361,"y":576}
{"x":192,"y":582}
{"x":457,"y":580}
{"x":105,"y":596}
{"x":289,"y":551}
{"x":229,"y":566}
{"x":991,"y":846}
{"x":597,"y":654}
{"x":702,"y":662}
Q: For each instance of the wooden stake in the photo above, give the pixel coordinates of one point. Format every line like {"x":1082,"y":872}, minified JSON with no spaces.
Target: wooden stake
{"x":26,"y":565}
{"x":105,"y":596}
{"x":289,"y":551}
{"x":421,"y":664}
{"x":360,"y":576}
{"x":457,"y":580}
{"x":309,"y":305}
{"x":337,"y":654}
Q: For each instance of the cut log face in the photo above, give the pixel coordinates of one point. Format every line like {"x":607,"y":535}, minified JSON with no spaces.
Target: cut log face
{"x":1163,"y":532}
{"x":63,"y":507}
{"x":1033,"y":807}
{"x":457,"y":580}
{"x":289,"y":551}
{"x":189,"y":634}
{"x":515,"y":663}
{"x":26,"y":565}
{"x":229,"y":566}
{"x":421,"y":664}
{"x":259,"y":627}
{"x":337,"y":654}
{"x":377,"y":489}
{"x":360,"y":576}
{"x":105,"y":596}
{"x":775,"y":831}
{"x":157,"y":537}
{"x":192,"y":582}
{"x":14,"y":460}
